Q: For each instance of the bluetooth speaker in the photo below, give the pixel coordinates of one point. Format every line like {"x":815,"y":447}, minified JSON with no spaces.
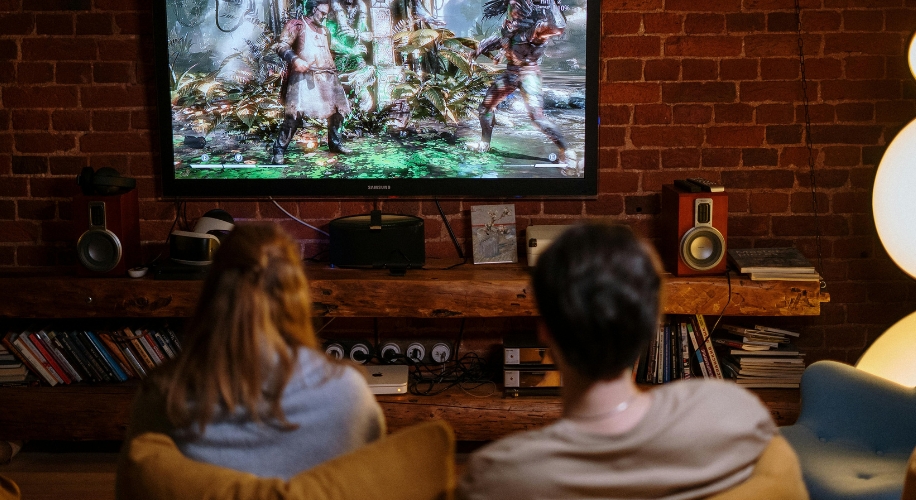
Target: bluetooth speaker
{"x":694,"y":230}
{"x":107,"y":230}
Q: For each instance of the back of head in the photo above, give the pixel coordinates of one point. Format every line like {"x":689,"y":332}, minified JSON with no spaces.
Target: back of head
{"x":597,"y":288}
{"x":240,"y":347}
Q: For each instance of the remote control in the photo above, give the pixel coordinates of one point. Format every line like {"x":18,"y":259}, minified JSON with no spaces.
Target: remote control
{"x":707,"y":185}
{"x":685,"y":185}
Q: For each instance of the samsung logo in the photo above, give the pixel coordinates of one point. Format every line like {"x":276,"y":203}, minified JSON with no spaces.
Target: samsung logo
{"x":379,"y":187}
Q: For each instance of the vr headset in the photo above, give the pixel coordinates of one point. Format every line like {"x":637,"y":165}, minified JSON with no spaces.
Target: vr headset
{"x":197,"y":247}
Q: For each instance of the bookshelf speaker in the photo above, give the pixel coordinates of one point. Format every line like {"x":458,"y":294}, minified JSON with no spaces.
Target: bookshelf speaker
{"x":107,"y":230}
{"x":694,"y":229}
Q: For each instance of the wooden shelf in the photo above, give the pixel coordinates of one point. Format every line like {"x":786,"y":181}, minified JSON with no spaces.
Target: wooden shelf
{"x":464,"y":292}
{"x":102,"y":411}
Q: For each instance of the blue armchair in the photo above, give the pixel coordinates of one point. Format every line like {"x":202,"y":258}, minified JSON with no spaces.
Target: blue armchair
{"x":855,"y":433}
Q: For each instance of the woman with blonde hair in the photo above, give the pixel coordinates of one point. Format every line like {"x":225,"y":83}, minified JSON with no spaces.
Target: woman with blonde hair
{"x":251,"y":389}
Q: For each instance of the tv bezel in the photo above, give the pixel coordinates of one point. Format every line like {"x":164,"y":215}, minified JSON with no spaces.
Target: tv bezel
{"x":574,"y":187}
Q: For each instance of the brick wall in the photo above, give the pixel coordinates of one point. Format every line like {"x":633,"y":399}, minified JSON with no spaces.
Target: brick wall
{"x":713,"y":92}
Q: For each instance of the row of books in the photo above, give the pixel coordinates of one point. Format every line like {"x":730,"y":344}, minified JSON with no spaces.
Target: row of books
{"x":760,"y":356}
{"x":767,"y":264}
{"x":56,"y":356}
{"x":681,"y":349}
{"x":754,"y":357}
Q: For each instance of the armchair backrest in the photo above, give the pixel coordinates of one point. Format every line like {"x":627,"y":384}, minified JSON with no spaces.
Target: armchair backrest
{"x":846,"y":405}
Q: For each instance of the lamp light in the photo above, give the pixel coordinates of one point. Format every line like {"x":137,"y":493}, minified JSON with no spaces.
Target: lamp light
{"x":893,"y":354}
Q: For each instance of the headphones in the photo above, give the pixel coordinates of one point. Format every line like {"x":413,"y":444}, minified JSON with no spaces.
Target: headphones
{"x":105,"y":180}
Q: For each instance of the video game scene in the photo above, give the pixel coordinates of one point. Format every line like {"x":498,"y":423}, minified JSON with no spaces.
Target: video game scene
{"x":377,"y":89}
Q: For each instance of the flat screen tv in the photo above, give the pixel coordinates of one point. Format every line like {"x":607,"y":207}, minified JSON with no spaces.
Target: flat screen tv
{"x":381,"y":98}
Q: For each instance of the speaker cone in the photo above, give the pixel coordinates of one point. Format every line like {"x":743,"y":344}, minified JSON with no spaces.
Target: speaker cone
{"x":99,"y":250}
{"x":702,"y":248}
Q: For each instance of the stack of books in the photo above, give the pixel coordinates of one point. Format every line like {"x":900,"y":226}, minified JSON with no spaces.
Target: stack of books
{"x":57,"y":356}
{"x":681,"y":349}
{"x":760,"y":357}
{"x":783,"y":263}
{"x":12,"y":371}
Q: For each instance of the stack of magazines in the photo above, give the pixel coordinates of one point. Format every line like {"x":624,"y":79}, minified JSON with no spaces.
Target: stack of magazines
{"x":759,"y":356}
{"x":783,"y":263}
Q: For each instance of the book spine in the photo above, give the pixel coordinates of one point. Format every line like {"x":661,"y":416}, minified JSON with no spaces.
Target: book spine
{"x":71,"y":341}
{"x":109,"y":360}
{"x":26,"y":339}
{"x":115,"y":351}
{"x":151,"y":349}
{"x":140,"y":351}
{"x":666,"y":359}
{"x":685,"y":351}
{"x":675,"y":350}
{"x":7,"y":341}
{"x":46,"y":353}
{"x":173,"y":338}
{"x":76,"y":362}
{"x":651,"y":358}
{"x":698,"y":351}
{"x":132,"y":359}
{"x":97,"y":360}
{"x":38,"y":368}
{"x":59,"y":356}
{"x":659,"y":352}
{"x":163,"y":343}
{"x":713,"y":359}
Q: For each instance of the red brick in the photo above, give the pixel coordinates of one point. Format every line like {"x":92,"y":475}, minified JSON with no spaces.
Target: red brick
{"x":67,"y":165}
{"x":865,"y":67}
{"x":699,"y":69}
{"x":826,"y":178}
{"x":8,"y":50}
{"x":616,"y":181}
{"x":783,"y":134}
{"x":819,"y":113}
{"x":803,"y":225}
{"x":771,"y":5}
{"x":855,"y":112}
{"x":738,"y":69}
{"x":704,"y":24}
{"x":681,"y":158}
{"x":30,"y":73}
{"x":240,"y":209}
{"x":7,"y":210}
{"x":70,"y":120}
{"x":662,"y":69}
{"x":864,"y":43}
{"x":775,"y":113}
{"x":863,"y":20}
{"x":44,"y":142}
{"x":894,"y":111}
{"x":708,"y":5}
{"x":606,"y":204}
{"x":721,"y":157}
{"x":36,"y":209}
{"x":639,"y":159}
{"x":32,"y":119}
{"x":672,"y":136}
{"x":114,"y":96}
{"x":14,"y":188}
{"x":630,"y":93}
{"x":759,"y":157}
{"x":845,"y":134}
{"x":755,"y":178}
{"x":8,"y":70}
{"x":779,"y":69}
{"x":103,"y":120}
{"x":842,"y":156}
{"x":748,"y":225}
{"x":94,"y":24}
{"x":30,"y":165}
{"x":769,"y":203}
{"x":788,"y":91}
{"x":779,"y":45}
{"x":699,"y":92}
{"x":614,"y":115}
{"x":611,"y":136}
{"x":18,"y":231}
{"x":734,"y":113}
{"x":823,"y":68}
{"x":782,"y":21}
{"x":703,"y":46}
{"x":863,"y":178}
{"x":40,"y":97}
{"x":663,"y":22}
{"x":803,"y":203}
{"x":736,"y":136}
{"x":112,"y":72}
{"x":16,"y":23}
{"x":635,"y":5}
{"x":137,"y":142}
{"x":119,"y":49}
{"x":692,"y":114}
{"x":143,"y":120}
{"x":820,"y":20}
{"x":631,"y":46}
{"x":59,"y":49}
{"x":845,"y":90}
{"x":642,"y":205}
{"x":744,"y":22}
{"x":573,"y":208}
{"x":651,"y":114}
{"x":900,"y":20}
{"x":54,"y":24}
{"x":69,"y":72}
{"x":134,"y":24}
{"x":851,"y":202}
{"x":624,"y":70}
{"x":621,"y":23}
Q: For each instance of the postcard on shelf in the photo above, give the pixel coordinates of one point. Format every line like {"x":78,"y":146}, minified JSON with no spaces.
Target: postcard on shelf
{"x":761,"y":260}
{"x":493,"y":234}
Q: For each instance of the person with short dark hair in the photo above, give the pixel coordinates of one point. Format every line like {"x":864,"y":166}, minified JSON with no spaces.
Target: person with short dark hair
{"x":598,"y":290}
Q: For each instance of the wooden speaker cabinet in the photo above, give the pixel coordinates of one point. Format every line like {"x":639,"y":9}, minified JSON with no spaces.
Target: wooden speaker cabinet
{"x":694,"y":231}
{"x":107,"y":232}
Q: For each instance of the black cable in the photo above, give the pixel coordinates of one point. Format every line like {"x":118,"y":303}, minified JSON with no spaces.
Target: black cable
{"x":448,"y":227}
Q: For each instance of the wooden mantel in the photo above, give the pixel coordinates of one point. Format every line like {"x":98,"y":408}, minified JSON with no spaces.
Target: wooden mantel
{"x":465,"y":291}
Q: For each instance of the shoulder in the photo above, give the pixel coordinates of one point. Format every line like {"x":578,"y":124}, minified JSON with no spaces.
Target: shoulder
{"x":507,"y":467}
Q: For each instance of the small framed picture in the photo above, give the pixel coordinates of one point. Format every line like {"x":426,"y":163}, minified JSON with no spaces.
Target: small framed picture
{"x":493,"y":234}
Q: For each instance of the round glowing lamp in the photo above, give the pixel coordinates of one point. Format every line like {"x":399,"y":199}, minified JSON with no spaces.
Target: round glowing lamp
{"x":892,"y":355}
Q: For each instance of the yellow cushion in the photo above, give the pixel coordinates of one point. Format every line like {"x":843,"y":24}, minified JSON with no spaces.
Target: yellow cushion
{"x":909,"y":484}
{"x":8,"y":489}
{"x":776,"y":475}
{"x":416,"y":463}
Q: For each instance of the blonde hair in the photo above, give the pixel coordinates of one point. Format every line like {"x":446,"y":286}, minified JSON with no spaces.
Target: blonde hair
{"x":240,"y":348}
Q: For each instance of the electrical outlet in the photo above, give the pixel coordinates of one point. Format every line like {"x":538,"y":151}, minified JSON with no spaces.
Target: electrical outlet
{"x":390,"y":350}
{"x":416,"y":352}
{"x":335,"y":350}
{"x":361,"y":352}
{"x":440,"y":353}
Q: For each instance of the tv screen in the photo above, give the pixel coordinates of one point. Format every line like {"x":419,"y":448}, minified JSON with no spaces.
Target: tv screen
{"x":378,"y":97}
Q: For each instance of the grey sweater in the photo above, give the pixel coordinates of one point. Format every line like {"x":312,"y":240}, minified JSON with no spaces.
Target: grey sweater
{"x":332,"y":404}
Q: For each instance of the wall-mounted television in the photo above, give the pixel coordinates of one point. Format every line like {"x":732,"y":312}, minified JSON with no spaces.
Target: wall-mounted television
{"x":489,"y":98}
